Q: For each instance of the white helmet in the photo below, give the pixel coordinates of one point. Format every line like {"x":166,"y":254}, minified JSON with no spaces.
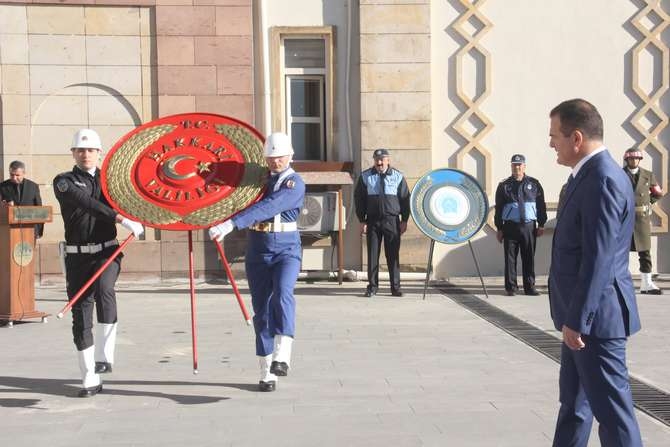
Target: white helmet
{"x":86,"y":139}
{"x":277,"y":144}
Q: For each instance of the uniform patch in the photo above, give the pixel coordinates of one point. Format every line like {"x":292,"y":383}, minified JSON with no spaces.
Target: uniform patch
{"x":529,"y":186}
{"x":290,"y":184}
{"x":62,"y":185}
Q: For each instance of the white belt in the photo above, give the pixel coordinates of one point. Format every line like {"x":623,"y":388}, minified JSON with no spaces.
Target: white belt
{"x":90,"y":248}
{"x":269,"y":227}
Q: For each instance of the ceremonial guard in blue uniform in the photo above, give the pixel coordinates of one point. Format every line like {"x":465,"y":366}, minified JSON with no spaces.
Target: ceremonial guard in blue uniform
{"x":520,"y":215}
{"x":273,"y":259}
{"x":90,"y":240}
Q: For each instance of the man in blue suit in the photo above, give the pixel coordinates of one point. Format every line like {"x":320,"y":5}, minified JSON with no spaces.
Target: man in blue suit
{"x":591,"y":292}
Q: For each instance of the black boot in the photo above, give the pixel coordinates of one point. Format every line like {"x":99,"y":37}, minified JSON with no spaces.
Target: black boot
{"x":279,"y":368}
{"x":89,"y":392}
{"x":266,"y":387}
{"x":103,"y":367}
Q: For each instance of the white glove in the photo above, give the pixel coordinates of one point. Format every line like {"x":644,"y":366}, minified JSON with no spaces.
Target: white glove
{"x":218,"y":232}
{"x":135,"y":227}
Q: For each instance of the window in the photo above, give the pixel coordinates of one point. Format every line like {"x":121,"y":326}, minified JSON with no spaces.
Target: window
{"x":302,"y":89}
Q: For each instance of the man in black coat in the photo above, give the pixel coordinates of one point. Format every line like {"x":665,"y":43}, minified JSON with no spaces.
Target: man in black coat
{"x":19,"y":191}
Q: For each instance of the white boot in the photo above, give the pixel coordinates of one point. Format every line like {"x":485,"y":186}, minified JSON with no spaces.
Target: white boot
{"x":647,"y":286}
{"x":87,"y":368}
{"x":268,"y":381}
{"x":281,"y":358}
{"x":105,"y":343}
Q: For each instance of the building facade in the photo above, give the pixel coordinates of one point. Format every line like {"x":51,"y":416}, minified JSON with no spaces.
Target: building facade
{"x":440,"y":83}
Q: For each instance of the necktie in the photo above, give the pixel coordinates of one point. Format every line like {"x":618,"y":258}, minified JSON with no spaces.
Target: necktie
{"x":561,"y":195}
{"x":521,"y":201}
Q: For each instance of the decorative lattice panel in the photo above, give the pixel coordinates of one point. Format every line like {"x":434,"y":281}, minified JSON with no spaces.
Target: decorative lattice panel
{"x":650,"y":119}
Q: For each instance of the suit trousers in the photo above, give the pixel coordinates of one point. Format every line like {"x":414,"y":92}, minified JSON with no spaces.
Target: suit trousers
{"x":594,"y":382}
{"x":645,"y":261}
{"x":519,"y":237}
{"x":388,"y":230}
{"x":79,"y":268}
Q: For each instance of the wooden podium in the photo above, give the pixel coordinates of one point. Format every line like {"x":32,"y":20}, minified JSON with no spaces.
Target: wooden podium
{"x":17,"y":256}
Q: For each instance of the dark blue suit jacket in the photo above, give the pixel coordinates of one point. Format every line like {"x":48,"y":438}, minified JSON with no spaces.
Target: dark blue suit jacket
{"x":590,"y":288}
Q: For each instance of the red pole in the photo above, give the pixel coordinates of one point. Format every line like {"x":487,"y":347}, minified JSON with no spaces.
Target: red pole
{"x":229,"y":272}
{"x":191,"y":275}
{"x":75,"y":298}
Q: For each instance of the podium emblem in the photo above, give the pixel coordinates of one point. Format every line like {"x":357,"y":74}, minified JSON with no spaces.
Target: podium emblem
{"x":23,"y":253}
{"x":448,"y":206}
{"x":185,"y":172}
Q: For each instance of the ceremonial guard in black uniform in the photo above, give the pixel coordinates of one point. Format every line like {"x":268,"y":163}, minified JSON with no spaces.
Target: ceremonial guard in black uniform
{"x":520,"y":215}
{"x":273,"y":258}
{"x":647,"y":192}
{"x":382,"y":206}
{"x":90,"y":239}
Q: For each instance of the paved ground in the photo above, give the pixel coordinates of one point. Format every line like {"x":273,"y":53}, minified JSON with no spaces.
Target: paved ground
{"x":366,"y":372}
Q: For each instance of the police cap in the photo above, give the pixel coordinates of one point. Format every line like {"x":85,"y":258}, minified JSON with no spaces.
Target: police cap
{"x":518,"y":159}
{"x":380,"y":153}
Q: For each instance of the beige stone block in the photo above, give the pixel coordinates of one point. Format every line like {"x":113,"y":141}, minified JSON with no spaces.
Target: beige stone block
{"x":395,"y":106}
{"x":15,"y":109}
{"x":16,"y":139}
{"x":15,"y":79}
{"x":395,"y":77}
{"x":48,"y":255}
{"x":13,"y":48}
{"x":124,"y":80}
{"x":186,"y":80}
{"x":395,"y":134}
{"x":13,"y":19}
{"x":147,"y":51}
{"x":237,"y":106}
{"x":233,"y":21}
{"x":226,"y":50}
{"x":66,"y":20}
{"x":114,"y":110}
{"x":145,"y":21}
{"x":413,"y":163}
{"x":223,"y":2}
{"x":395,"y":19}
{"x":55,"y":110}
{"x":185,"y":20}
{"x":46,"y":167}
{"x":54,"y":140}
{"x":113,"y":50}
{"x":140,"y":256}
{"x":149,"y":108}
{"x":171,"y":104}
{"x":393,"y":2}
{"x":174,"y":2}
{"x":52,"y":79}
{"x":174,"y":255}
{"x":395,"y":48}
{"x":119,"y":21}
{"x":175,"y":50}
{"x":110,"y":135}
{"x":57,"y":50}
{"x":148,"y":80}
{"x":235,"y":80}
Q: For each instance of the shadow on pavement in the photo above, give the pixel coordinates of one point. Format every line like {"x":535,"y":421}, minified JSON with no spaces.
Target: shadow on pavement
{"x":69,"y":388}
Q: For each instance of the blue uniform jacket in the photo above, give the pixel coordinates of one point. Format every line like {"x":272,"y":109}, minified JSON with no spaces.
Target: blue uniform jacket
{"x":288,"y":201}
{"x":590,"y":287}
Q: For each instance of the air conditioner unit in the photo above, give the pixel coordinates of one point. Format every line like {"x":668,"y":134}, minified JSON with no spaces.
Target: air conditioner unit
{"x":320,"y":213}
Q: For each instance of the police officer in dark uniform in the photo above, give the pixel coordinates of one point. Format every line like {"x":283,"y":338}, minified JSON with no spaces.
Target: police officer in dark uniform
{"x":90,"y":239}
{"x":273,"y":258}
{"x":382,"y":206}
{"x":520,"y":215}
{"x":647,"y":192}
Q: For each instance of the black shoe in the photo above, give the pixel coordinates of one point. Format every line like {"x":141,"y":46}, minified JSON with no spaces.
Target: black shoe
{"x":510,"y":292}
{"x":652,"y":292}
{"x":532,"y":292}
{"x":397,"y":292}
{"x":103,"y":367}
{"x":370,"y":292}
{"x":266,"y":387}
{"x":279,"y":368}
{"x":89,"y":392}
